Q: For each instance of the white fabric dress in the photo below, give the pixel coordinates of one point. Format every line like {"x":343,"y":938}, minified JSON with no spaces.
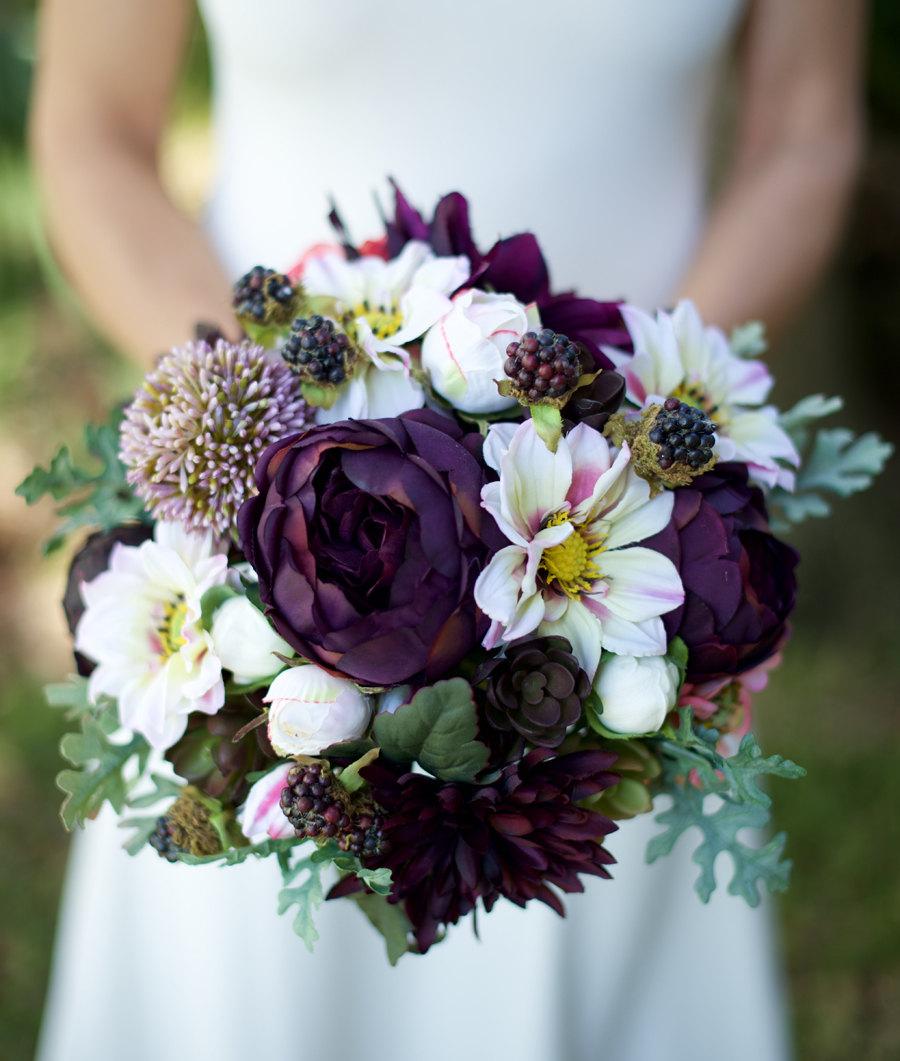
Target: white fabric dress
{"x":587,"y":123}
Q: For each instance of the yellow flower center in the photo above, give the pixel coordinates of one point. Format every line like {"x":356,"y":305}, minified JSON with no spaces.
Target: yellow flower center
{"x":384,"y":321}
{"x":693,"y":394}
{"x":571,"y":567}
{"x":171,"y":627}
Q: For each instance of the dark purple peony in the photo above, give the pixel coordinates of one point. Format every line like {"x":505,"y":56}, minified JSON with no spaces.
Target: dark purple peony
{"x":450,"y":844}
{"x":738,"y":577}
{"x":367,"y":537}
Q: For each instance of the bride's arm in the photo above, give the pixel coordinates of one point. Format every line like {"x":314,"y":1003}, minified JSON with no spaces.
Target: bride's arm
{"x":798,"y":148}
{"x":105,"y":77}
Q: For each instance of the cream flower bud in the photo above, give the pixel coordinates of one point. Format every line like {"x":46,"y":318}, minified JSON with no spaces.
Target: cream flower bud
{"x":636,"y":694}
{"x":464,"y":352}
{"x":261,"y":817}
{"x":245,"y":642}
{"x":310,"y":710}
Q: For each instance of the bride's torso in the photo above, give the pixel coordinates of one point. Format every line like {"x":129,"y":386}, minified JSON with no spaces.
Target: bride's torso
{"x":585,"y":122}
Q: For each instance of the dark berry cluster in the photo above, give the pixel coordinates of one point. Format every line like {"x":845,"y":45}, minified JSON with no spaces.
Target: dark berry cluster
{"x":684,"y":434}
{"x":317,"y":350}
{"x":543,"y":365}
{"x":318,"y":806}
{"x":262,"y":295}
{"x":161,"y":841}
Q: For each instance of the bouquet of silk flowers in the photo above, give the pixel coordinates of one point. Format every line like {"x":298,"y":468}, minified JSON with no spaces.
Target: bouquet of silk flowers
{"x":434,"y":578}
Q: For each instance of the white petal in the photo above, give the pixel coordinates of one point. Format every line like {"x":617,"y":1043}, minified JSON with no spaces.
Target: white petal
{"x":584,"y":632}
{"x":533,"y":481}
{"x":496,"y":444}
{"x":591,"y":457}
{"x":642,"y":583}
{"x":497,"y":587}
{"x":526,"y":618}
{"x":444,"y":275}
{"x":352,"y":403}
{"x":638,"y":516}
{"x":647,"y":638}
{"x":392,"y":393}
{"x":492,"y":502}
{"x":607,"y":489}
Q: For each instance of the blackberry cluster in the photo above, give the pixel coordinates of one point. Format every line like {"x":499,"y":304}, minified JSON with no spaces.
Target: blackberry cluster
{"x":684,"y":434}
{"x":161,"y":841}
{"x":319,"y":807}
{"x":263,"y":296}
{"x":543,"y":365}
{"x":318,"y":350}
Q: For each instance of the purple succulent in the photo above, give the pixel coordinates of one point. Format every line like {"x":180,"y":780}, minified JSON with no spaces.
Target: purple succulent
{"x":739,"y":579}
{"x":368,"y":537}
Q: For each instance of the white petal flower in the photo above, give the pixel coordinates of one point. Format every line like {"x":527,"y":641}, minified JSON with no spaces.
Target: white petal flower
{"x":571,"y":568}
{"x":261,"y":817}
{"x":392,"y":303}
{"x":141,"y":626}
{"x":245,"y":642}
{"x":677,"y":355}
{"x":464,"y":352}
{"x":310,"y":709}
{"x":636,"y":694}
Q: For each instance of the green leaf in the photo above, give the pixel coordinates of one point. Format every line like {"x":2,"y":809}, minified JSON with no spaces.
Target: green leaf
{"x":388,"y":919}
{"x":234,"y":856}
{"x":73,"y":696}
{"x":350,"y":778}
{"x":307,"y":897}
{"x":211,"y":601}
{"x":379,"y":880}
{"x":693,"y":769}
{"x":839,"y":464}
{"x":101,"y":498}
{"x":438,"y":729}
{"x":142,"y":829}
{"x":548,"y":424}
{"x":322,"y":397}
{"x":749,"y":340}
{"x":797,"y":420}
{"x":678,"y":654}
{"x":98,"y":776}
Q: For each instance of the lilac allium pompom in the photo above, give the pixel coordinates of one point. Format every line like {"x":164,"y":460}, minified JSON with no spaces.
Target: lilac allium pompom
{"x":196,"y":427}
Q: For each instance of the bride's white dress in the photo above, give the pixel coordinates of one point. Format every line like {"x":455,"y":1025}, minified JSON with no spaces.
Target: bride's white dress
{"x":586,"y":122}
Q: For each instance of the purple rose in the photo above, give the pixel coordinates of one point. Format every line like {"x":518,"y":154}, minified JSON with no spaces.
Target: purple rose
{"x":367,"y":537}
{"x":738,"y":577}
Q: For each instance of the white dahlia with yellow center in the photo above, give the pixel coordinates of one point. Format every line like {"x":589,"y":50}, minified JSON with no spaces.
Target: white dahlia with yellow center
{"x":572,"y":567}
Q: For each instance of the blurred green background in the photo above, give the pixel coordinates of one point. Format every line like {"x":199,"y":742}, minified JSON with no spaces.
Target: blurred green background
{"x":833,"y":706}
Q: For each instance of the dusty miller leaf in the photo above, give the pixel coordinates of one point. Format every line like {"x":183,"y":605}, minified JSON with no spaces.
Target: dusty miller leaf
{"x":99,"y":774}
{"x":307,"y":897}
{"x":749,"y":340}
{"x":101,"y":498}
{"x":693,"y":770}
{"x":839,"y":464}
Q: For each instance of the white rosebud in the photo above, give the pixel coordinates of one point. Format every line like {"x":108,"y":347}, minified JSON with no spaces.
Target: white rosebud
{"x":261,"y":817}
{"x":245,"y":642}
{"x":310,"y":709}
{"x":636,"y":694}
{"x":464,"y":352}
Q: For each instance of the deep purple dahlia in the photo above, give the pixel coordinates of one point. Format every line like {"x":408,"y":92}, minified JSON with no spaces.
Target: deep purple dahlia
{"x":739,"y":579}
{"x":515,"y":265}
{"x":450,"y":844}
{"x":367,"y":537}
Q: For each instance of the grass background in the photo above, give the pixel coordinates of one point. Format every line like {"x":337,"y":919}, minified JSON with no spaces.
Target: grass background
{"x":833,"y":706}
